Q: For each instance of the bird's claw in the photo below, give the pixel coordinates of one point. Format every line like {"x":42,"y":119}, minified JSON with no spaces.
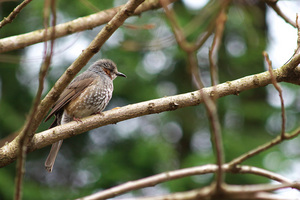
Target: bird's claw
{"x":77,"y":119}
{"x":100,"y":113}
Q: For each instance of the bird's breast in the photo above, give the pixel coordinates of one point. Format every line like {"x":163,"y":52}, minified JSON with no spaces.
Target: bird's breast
{"x":92,"y":100}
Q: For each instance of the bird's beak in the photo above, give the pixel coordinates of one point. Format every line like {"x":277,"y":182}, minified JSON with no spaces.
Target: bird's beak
{"x":121,"y":74}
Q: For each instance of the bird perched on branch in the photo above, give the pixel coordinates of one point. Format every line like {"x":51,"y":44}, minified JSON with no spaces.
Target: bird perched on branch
{"x":87,"y":94}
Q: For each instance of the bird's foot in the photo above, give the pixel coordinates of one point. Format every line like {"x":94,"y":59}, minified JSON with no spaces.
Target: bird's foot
{"x":116,"y":108}
{"x":77,"y":119}
{"x":100,"y":113}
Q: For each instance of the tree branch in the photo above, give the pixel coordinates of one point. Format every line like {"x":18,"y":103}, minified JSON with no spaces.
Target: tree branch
{"x":181,"y":173}
{"x":289,"y":66}
{"x":77,"y":25}
{"x":8,"y":152}
{"x":253,"y":192}
{"x":26,"y":134}
{"x":273,"y":4}
{"x":278,"y":88}
{"x":14,"y":13}
{"x":215,"y":46}
{"x":263,"y":147}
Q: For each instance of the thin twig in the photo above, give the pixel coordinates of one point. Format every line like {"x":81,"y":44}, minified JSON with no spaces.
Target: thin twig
{"x":27,"y":134}
{"x":278,"y":88}
{"x":263,"y":147}
{"x":283,"y":135}
{"x":90,"y":5}
{"x":178,"y":33}
{"x":20,"y":171}
{"x":220,"y":24}
{"x":216,"y":135}
{"x":14,"y":13}
{"x":202,"y":38}
{"x":297,"y":50}
{"x":273,"y":4}
{"x":194,"y":69}
{"x":209,"y":104}
{"x":183,"y":44}
{"x":213,"y":67}
{"x":298,"y":35}
{"x":212,"y":114}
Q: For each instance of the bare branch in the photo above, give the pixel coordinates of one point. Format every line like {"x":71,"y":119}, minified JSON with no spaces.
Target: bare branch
{"x":8,"y":152}
{"x":253,"y":192}
{"x":212,"y":114}
{"x":14,"y":13}
{"x":181,"y":173}
{"x":220,"y":24}
{"x":278,"y":88}
{"x":180,"y":38}
{"x":263,"y":147}
{"x":184,"y":44}
{"x":275,"y":141}
{"x":77,"y":25}
{"x":210,"y":103}
{"x":273,"y":4}
{"x":289,"y":69}
{"x":26,"y":135}
{"x":297,"y":51}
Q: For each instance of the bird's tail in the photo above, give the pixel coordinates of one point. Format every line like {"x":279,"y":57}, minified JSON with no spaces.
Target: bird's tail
{"x":49,"y":163}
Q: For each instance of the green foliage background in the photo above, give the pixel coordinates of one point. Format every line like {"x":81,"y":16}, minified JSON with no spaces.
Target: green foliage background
{"x":155,"y":67}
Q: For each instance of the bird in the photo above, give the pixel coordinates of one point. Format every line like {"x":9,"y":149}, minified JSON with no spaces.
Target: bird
{"x":88,"y":94}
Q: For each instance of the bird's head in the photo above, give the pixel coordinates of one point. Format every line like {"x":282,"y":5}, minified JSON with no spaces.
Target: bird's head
{"x":107,"y":67}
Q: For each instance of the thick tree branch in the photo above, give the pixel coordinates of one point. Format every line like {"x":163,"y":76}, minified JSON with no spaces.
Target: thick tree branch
{"x":8,"y":152}
{"x":77,"y":25}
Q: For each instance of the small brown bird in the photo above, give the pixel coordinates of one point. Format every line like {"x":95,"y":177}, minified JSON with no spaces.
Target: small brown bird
{"x":87,"y":94}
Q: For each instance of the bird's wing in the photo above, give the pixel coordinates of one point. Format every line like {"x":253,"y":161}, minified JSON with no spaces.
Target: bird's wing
{"x":71,"y":92}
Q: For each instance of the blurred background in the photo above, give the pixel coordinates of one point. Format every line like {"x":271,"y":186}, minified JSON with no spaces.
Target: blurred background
{"x":145,"y":50}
